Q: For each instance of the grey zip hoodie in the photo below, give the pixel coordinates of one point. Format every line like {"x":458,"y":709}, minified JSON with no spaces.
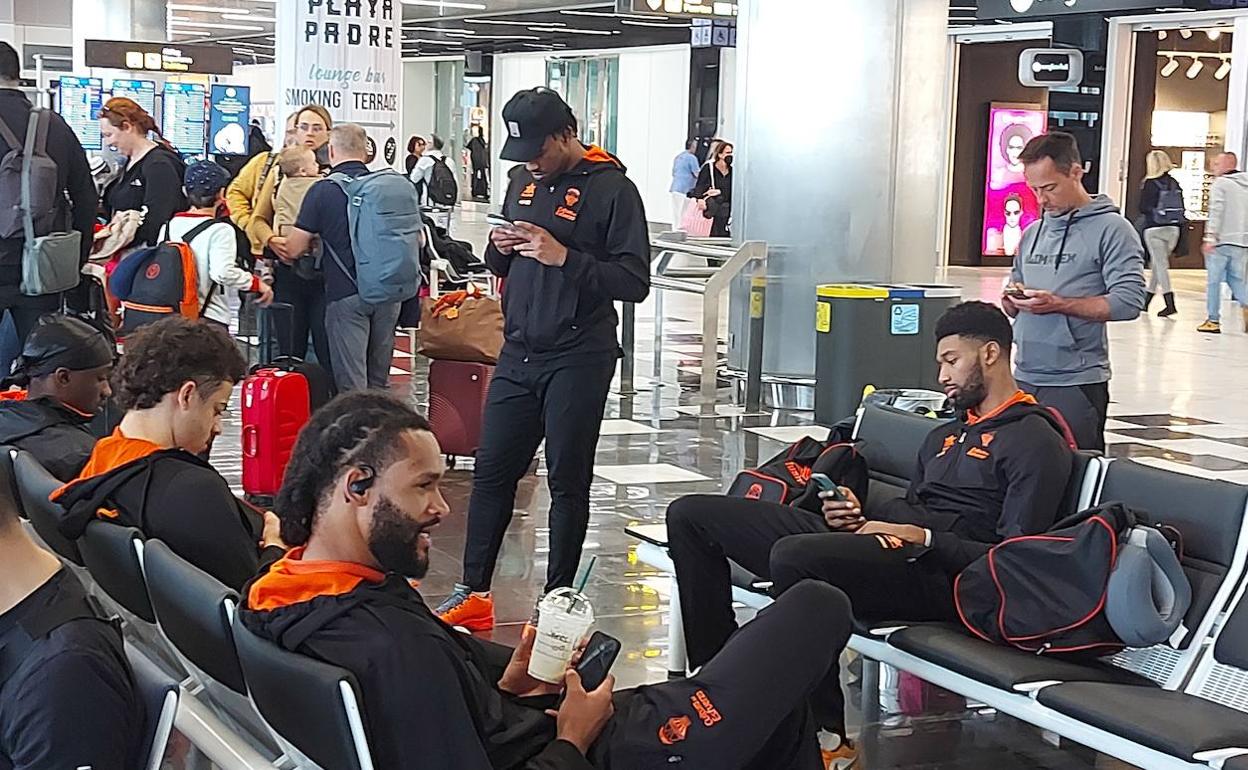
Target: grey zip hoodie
{"x":1089,"y":252}
{"x":1228,"y":210}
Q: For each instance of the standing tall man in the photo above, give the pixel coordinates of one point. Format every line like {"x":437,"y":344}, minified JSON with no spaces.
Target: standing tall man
{"x":579,"y":244}
{"x":1080,"y":265}
{"x":75,"y":194}
{"x":1226,"y":241}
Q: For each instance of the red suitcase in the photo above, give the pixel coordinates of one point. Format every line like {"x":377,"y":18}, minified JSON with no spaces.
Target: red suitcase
{"x":457,"y":403}
{"x":276,"y":406}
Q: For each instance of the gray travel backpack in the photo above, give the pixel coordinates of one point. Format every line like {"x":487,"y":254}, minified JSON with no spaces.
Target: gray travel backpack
{"x":383,"y":215}
{"x":29,"y":193}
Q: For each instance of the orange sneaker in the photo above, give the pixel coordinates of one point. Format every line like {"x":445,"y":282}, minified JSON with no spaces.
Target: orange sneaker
{"x":469,"y":610}
{"x":843,"y":758}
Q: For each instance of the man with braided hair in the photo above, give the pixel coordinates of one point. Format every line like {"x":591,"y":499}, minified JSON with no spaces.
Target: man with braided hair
{"x":174,"y":382}
{"x":360,"y":496}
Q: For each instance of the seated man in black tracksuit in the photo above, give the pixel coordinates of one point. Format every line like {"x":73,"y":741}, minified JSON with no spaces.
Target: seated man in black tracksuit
{"x":174,"y":382}
{"x":361,"y":495}
{"x":66,"y":695}
{"x":997,"y":472}
{"x":65,"y":365}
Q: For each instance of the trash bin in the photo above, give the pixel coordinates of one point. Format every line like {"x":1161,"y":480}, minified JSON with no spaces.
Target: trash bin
{"x":879,"y":335}
{"x":937,"y":298}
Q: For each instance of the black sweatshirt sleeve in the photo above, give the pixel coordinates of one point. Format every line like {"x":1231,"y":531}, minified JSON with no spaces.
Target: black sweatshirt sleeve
{"x":1036,"y":473}
{"x":76,"y":712}
{"x":623,"y":272}
{"x":162,"y":196}
{"x":200,"y":518}
{"x":432,"y":719}
{"x":1149,"y":196}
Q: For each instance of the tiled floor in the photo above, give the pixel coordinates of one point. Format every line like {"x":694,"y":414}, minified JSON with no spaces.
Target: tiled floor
{"x":1178,"y":402}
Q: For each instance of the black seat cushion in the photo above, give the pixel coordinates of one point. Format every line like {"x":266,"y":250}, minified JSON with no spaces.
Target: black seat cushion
{"x":953,"y":648}
{"x":1171,"y":722}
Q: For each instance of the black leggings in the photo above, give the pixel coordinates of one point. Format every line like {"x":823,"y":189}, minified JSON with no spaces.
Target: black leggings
{"x":748,"y":706}
{"x":307,"y":298}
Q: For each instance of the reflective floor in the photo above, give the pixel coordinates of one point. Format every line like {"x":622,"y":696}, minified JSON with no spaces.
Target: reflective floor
{"x":1175,"y":405}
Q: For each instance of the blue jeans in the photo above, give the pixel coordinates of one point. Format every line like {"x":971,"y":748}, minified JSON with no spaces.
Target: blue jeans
{"x":1226,"y":264}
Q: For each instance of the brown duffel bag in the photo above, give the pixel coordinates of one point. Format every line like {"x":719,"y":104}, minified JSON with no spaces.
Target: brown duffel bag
{"x":461,"y":326}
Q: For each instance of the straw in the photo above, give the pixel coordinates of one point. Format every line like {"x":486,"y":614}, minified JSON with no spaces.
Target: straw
{"x":585,"y":577}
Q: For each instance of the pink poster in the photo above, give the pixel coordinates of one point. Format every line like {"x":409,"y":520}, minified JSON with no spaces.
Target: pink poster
{"x":1009,"y":205}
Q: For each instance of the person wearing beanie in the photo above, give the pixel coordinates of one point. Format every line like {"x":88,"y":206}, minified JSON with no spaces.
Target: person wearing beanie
{"x":64,"y":366}
{"x":215,"y":242}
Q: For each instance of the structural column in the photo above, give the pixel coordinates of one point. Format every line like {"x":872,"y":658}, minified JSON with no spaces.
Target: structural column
{"x":839,"y":151}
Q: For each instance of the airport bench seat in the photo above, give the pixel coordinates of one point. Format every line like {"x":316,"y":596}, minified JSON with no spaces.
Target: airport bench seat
{"x":952,"y":647}
{"x":1172,"y":722}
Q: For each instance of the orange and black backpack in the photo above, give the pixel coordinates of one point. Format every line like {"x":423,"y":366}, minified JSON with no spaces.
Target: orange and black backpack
{"x":785,"y":478}
{"x":160,"y":281}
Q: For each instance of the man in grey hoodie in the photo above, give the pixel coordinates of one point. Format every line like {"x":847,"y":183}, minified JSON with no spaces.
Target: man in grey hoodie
{"x":1079,"y":266}
{"x":1226,"y":240}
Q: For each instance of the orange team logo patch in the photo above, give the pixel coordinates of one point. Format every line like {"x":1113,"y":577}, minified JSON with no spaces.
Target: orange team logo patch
{"x":889,"y":542}
{"x":949,"y":442}
{"x":706,"y":710}
{"x":977,"y":453}
{"x":755,"y":492}
{"x":572,"y":197}
{"x":563,"y":212}
{"x":529,"y":190}
{"x":987,"y":438}
{"x":674,"y":730}
{"x":800,"y":473}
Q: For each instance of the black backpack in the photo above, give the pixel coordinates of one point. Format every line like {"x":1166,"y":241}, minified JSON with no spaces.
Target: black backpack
{"x":785,"y":478}
{"x":1169,"y":210}
{"x":443,"y":189}
{"x":160,"y":281}
{"x":1088,"y":587}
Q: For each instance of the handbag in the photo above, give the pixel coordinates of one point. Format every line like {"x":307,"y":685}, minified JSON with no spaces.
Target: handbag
{"x":695,"y":222}
{"x":463,"y":325}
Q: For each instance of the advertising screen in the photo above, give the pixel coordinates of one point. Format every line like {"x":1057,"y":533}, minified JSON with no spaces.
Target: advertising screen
{"x":79,"y":103}
{"x":143,"y":92}
{"x":1009,"y":205}
{"x":229,"y":120}
{"x":184,"y":117}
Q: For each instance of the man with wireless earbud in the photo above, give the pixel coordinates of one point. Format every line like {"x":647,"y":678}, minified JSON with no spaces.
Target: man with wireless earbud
{"x":360,"y":500}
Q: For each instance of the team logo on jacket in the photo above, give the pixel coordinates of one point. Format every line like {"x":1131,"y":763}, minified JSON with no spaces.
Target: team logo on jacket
{"x":987,"y":438}
{"x":755,"y":492}
{"x":949,"y":442}
{"x":977,"y":453}
{"x":572,"y":197}
{"x":706,"y":710}
{"x":526,"y":195}
{"x":675,"y":730}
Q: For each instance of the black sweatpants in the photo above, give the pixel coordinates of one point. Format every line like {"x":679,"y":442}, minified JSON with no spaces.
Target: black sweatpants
{"x":704,"y":532}
{"x":884,"y":582}
{"x":307,"y":297}
{"x":748,"y":706}
{"x":527,"y":402}
{"x":1085,"y":407}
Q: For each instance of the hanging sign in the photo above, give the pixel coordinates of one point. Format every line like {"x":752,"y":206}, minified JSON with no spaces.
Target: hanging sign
{"x":346,"y":57}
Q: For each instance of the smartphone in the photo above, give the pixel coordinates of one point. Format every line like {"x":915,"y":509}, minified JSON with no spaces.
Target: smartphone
{"x":1017,"y":292}
{"x":498,"y":220}
{"x":600,"y":655}
{"x":826,"y":484}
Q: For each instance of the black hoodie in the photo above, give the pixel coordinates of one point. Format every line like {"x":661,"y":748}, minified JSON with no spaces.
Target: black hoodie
{"x":566,"y":314}
{"x":153,"y":184}
{"x":57,"y":436}
{"x":983,"y":479}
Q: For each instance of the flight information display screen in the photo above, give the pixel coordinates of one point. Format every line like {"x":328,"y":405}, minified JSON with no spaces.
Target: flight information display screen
{"x":184,"y":116}
{"x":143,"y":92}
{"x":78,"y":101}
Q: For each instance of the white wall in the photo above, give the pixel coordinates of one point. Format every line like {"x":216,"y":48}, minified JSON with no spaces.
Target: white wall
{"x":419,"y":101}
{"x":727,"y":127}
{"x":652,"y":118}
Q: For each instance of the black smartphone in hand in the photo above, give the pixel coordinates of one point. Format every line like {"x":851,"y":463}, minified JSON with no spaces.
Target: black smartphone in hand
{"x":600,"y":655}
{"x":827,"y":488}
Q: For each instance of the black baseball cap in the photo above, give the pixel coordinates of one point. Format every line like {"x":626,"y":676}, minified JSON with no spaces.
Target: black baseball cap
{"x":531,"y":116}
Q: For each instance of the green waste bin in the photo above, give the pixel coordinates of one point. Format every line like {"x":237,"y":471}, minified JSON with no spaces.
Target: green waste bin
{"x":876,"y":335}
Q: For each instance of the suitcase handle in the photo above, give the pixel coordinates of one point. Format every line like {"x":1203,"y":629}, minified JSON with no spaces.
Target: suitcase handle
{"x":251,"y":441}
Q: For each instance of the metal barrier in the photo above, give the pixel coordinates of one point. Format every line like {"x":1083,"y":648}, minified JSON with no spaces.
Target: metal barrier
{"x":725,"y":263}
